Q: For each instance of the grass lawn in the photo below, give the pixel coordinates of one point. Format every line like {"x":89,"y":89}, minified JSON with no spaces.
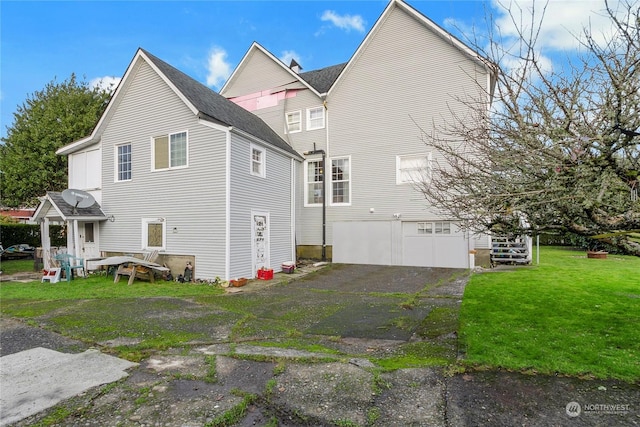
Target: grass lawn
{"x":16,"y":266}
{"x":568,"y":315}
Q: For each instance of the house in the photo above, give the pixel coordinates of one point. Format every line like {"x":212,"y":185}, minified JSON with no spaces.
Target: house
{"x":236,"y":181}
{"x":22,"y":216}
{"x":365,"y":117}
{"x":177,"y":168}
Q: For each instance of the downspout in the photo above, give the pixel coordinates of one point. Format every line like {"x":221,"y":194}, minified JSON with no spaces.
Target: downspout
{"x":227,"y":213}
{"x":293,"y":211}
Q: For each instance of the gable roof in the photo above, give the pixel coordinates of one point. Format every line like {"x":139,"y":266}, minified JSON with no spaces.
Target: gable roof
{"x":322,"y":80}
{"x":202,"y":101}
{"x":429,"y":24}
{"x":64,"y":211}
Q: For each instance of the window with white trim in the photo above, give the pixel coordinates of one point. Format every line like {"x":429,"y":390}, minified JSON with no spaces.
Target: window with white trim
{"x":340,"y":181}
{"x":315,"y":118}
{"x":258,"y":158}
{"x":413,"y":168}
{"x":170,"y":151}
{"x":313,"y":182}
{"x":153,"y":233}
{"x":123,"y":162}
{"x":425,"y":227}
{"x":294,"y":121}
{"x":442,"y":227}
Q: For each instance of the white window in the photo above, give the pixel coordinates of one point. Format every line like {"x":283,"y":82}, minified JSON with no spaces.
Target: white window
{"x":313,"y":182}
{"x":315,"y":118}
{"x":413,"y":168}
{"x":443,"y":227}
{"x":425,"y":228}
{"x":258,"y":158}
{"x":170,"y":151}
{"x":341,"y":181}
{"x":123,"y":162}
{"x":294,"y":121}
{"x":153,"y":233}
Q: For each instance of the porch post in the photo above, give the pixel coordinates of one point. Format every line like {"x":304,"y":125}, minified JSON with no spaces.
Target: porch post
{"x":76,"y":239}
{"x":45,"y":242}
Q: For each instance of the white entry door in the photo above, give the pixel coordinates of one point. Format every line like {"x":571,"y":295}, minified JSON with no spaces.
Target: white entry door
{"x":88,"y":237}
{"x":260,"y":240}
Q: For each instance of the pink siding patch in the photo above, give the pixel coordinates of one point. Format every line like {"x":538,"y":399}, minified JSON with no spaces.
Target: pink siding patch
{"x":263,"y":99}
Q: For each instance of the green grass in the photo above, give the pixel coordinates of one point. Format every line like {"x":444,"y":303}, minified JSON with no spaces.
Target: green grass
{"x":569,"y":315}
{"x":97,"y":286}
{"x":16,"y":266}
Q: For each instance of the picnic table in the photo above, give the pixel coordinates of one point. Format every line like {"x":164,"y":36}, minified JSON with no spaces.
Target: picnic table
{"x":130,"y":266}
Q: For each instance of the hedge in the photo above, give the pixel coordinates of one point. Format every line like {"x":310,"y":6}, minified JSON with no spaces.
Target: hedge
{"x":13,"y":234}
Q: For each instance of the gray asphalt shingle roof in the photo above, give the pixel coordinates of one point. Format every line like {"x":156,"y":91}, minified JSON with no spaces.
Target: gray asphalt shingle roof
{"x":67,"y":210}
{"x":322,"y":79}
{"x":217,"y":108}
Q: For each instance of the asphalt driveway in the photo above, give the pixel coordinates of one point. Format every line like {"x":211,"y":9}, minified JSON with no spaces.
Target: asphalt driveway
{"x":361,"y":315}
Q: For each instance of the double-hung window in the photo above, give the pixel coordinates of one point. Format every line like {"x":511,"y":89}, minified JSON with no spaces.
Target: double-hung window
{"x":413,"y":168}
{"x":315,"y":118}
{"x":258,"y":158}
{"x":313,"y":182}
{"x":170,"y":151}
{"x":294,"y":121}
{"x":153,"y":233}
{"x":340,"y":181}
{"x":123,"y":162}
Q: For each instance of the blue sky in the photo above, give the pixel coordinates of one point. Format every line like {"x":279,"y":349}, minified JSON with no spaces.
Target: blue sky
{"x":46,"y":40}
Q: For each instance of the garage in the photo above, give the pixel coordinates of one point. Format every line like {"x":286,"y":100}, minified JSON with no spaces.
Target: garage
{"x":409,"y":243}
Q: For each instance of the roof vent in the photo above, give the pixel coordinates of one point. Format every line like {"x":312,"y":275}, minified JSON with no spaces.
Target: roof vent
{"x":295,"y":67}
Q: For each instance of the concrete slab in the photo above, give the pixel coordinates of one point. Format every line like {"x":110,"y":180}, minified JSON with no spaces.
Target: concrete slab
{"x":36,"y":379}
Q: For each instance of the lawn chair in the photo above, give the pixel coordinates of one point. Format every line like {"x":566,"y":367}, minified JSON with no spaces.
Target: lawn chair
{"x":69,"y":263}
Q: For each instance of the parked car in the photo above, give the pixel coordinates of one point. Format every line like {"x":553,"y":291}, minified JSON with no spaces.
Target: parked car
{"x":20,"y":251}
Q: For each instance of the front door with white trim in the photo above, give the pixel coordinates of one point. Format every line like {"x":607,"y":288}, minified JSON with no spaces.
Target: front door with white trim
{"x":88,"y":236}
{"x":260,"y":240}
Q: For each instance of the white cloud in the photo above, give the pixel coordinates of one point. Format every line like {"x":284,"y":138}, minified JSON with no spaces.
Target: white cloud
{"x":108,"y":83}
{"x":345,"y":22}
{"x":563,"y":21}
{"x":218,"y":68}
{"x":288,"y":55}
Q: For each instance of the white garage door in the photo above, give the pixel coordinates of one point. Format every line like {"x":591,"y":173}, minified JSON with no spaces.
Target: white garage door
{"x":416,"y":243}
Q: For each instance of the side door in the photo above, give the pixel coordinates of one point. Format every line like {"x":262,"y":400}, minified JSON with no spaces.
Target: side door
{"x":88,"y":240}
{"x":260,"y":240}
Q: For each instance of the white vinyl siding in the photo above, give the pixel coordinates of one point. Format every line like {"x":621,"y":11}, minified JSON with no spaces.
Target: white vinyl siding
{"x":191,"y":199}
{"x":123,"y":162}
{"x":249,"y":194}
{"x":315,"y":118}
{"x":170,"y":151}
{"x":258,"y":159}
{"x":294,"y":121}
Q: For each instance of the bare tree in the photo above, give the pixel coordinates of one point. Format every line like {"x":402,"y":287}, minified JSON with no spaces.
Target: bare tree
{"x":559,"y":148}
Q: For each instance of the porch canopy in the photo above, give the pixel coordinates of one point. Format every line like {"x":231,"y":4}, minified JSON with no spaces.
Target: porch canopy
{"x":53,"y":208}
